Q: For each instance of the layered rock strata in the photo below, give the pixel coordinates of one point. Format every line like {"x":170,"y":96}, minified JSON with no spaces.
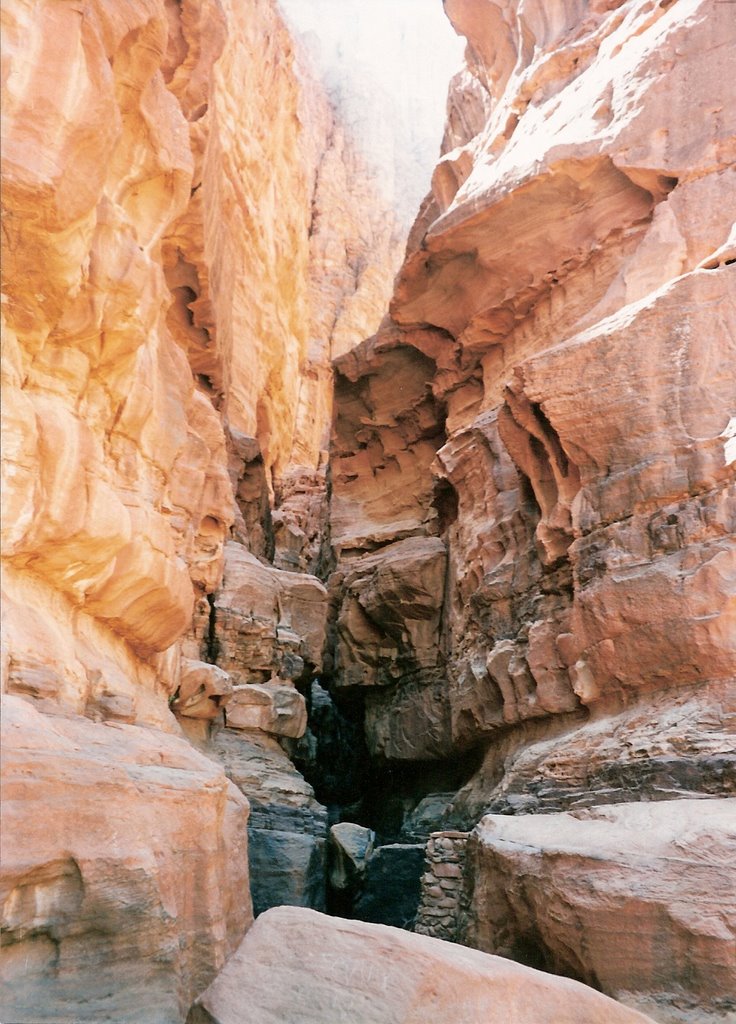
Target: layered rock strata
{"x":550,"y":410}
{"x":178,"y":263}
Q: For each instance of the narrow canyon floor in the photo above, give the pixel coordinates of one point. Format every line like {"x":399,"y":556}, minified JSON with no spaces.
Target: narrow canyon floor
{"x":368,"y":560}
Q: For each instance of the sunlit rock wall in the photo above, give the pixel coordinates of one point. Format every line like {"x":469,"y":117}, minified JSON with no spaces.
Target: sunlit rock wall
{"x":178,"y":257}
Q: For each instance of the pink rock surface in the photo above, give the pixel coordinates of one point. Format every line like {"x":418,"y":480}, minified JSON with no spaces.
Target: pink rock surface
{"x":124,"y":870}
{"x":553,"y":398}
{"x":567,"y":304}
{"x":636,"y":899}
{"x":299,"y":966}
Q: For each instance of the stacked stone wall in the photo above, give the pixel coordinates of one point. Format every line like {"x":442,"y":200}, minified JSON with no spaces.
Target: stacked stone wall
{"x":442,"y":900}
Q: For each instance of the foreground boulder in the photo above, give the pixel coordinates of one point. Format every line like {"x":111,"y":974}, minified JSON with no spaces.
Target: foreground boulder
{"x":636,"y":899}
{"x":124,"y":880}
{"x":296,"y":966}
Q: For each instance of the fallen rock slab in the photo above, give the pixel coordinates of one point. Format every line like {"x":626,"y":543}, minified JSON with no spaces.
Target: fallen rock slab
{"x":296,"y":966}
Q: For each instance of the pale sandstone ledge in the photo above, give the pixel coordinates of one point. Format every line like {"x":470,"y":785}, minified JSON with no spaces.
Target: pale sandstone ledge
{"x":296,"y":966}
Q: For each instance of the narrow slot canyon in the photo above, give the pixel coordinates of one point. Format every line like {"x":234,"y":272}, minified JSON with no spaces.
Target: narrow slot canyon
{"x":368,"y":512}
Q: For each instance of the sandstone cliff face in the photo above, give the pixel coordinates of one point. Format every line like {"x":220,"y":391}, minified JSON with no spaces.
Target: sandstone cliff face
{"x":549,"y":411}
{"x":528,"y":573}
{"x":178,"y":260}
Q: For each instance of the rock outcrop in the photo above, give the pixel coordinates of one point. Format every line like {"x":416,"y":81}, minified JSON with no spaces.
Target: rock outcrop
{"x":124,"y":878}
{"x":569,"y":390}
{"x":179,"y":261}
{"x":297,"y":965}
{"x":632,"y":899}
{"x":287,"y":830}
{"x":508,"y":587}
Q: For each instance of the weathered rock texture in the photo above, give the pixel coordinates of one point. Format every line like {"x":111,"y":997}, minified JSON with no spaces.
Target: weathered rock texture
{"x":533,"y":505}
{"x":569,"y":388}
{"x":180,"y":257}
{"x":299,"y":966}
{"x":124,"y":878}
{"x":634,"y":899}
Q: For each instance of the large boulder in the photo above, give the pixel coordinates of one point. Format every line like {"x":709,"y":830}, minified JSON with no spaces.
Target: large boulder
{"x":299,"y":967}
{"x":636,"y":899}
{"x":124,"y":879}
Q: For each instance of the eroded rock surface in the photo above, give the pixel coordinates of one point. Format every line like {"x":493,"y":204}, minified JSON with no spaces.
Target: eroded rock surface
{"x":552,"y":400}
{"x":575,"y":386}
{"x":124,"y":870}
{"x":178,"y":264}
{"x":287,"y":830}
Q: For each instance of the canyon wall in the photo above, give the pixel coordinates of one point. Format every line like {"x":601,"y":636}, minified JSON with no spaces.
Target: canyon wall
{"x":500,"y":606}
{"x":533,"y":505}
{"x":180,"y":256}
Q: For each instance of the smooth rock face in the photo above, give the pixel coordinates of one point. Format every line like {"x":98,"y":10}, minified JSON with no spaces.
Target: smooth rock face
{"x":124,"y":870}
{"x":299,"y":967}
{"x":278,"y":710}
{"x":636,"y":899}
{"x":351,"y":847}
